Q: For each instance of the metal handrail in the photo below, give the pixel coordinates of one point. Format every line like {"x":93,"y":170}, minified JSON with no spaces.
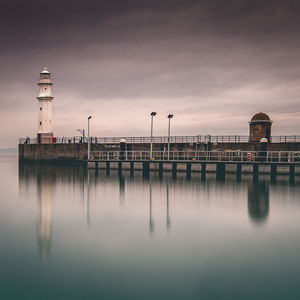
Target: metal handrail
{"x":220,"y":156}
{"x":164,"y":139}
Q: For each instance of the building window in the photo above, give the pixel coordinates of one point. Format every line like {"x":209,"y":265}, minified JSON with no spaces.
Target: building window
{"x":40,"y":123}
{"x":40,"y":108}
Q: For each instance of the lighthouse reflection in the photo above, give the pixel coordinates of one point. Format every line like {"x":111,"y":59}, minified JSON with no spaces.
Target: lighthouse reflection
{"x":44,"y":178}
{"x":258,"y":201}
{"x":45,"y":190}
{"x":157,"y":203}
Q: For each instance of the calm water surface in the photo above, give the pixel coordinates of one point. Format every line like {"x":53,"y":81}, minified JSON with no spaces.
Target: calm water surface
{"x":69,"y":234}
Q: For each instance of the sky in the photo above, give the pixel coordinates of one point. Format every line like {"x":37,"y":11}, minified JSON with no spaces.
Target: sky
{"x":213,"y":64}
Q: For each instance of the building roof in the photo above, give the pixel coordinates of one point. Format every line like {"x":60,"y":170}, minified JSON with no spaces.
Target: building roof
{"x":260,"y":117}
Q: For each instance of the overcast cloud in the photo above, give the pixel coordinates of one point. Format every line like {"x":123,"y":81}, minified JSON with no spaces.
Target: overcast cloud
{"x":211,"y":63}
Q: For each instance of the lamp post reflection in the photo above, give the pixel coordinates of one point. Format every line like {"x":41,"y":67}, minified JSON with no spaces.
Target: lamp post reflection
{"x":151,"y":222}
{"x":88,"y":219}
{"x":168,"y":214}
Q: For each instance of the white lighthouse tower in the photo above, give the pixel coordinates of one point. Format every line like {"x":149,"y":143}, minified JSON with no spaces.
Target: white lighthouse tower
{"x":45,"y":132}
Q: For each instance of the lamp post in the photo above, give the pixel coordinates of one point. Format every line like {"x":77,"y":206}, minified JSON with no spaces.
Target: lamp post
{"x":89,"y":142}
{"x":151,"y":136}
{"x":82,"y":132}
{"x":169,"y":117}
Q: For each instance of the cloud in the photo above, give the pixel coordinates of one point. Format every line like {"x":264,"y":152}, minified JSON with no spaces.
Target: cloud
{"x":212,"y":63}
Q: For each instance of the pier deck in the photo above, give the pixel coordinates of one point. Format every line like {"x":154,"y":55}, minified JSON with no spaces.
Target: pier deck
{"x":273,"y":159}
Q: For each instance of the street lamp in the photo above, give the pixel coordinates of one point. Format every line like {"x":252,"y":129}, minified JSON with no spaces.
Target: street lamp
{"x":82,"y":131}
{"x":169,"y":117}
{"x":89,"y":142}
{"x":151,"y":137}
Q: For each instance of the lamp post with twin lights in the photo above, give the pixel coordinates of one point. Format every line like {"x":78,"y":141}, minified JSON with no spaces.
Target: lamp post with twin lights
{"x":153,"y":114}
{"x":89,"y":142}
{"x":170,"y":116}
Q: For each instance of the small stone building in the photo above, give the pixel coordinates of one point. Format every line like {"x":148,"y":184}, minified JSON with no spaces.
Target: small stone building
{"x":260,"y":127}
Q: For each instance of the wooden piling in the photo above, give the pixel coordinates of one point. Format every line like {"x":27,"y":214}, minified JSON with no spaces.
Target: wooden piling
{"x":120,"y":167}
{"x":160,"y":168}
{"x":203,"y":168}
{"x":292,"y":174}
{"x":146,"y":169}
{"x":220,"y":171}
{"x":96,"y":169}
{"x":238,"y":172}
{"x":131,"y":168}
{"x":273,"y":173}
{"x":203,"y":171}
{"x":174,"y":170}
{"x":188,"y":170}
{"x":255,"y":172}
{"x":107,"y":168}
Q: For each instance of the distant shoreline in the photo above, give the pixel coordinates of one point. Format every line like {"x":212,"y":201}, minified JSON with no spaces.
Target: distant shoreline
{"x":9,"y":150}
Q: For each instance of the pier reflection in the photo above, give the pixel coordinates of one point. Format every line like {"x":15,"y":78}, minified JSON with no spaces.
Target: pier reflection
{"x":159,"y":203}
{"x":258,"y":201}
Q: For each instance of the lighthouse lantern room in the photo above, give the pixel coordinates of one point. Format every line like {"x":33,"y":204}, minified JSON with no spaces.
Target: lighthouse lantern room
{"x":45,"y":132}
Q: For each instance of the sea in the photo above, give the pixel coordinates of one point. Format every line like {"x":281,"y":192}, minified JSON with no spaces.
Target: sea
{"x":67,"y":232}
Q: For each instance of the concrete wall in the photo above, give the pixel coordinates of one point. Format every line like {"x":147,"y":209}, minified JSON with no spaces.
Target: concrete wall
{"x":55,"y":152}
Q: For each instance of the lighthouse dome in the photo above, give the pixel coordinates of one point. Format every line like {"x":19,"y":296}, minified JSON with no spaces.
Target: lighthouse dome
{"x":45,"y":71}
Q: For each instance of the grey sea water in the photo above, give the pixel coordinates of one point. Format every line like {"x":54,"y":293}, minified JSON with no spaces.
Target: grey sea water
{"x":68,"y":233}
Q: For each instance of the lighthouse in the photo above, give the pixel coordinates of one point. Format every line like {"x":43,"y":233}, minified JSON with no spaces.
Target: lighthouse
{"x":45,"y":132}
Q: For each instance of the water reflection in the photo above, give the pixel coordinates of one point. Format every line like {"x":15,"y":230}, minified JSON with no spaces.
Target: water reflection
{"x":74,"y":217}
{"x":45,"y":189}
{"x":88,"y":218}
{"x":168,"y":213}
{"x":45,"y":179}
{"x":258,"y":201}
{"x":122,"y":189}
{"x":151,"y":222}
{"x":96,"y":191}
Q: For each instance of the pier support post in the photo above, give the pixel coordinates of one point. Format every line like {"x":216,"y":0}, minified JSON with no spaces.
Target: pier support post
{"x":292,"y":174}
{"x":273,"y":173}
{"x":174,"y":170}
{"x":107,"y":168}
{"x":188,"y":170}
{"x":146,"y":169}
{"x":255,"y":172}
{"x":120,"y":167}
{"x":131,"y":168}
{"x":220,"y":171}
{"x":160,"y":169}
{"x":96,"y":169}
{"x":203,"y":171}
{"x":238,"y":172}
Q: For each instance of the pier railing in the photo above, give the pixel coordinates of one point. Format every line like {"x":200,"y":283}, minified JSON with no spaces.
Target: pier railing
{"x":164,"y":139}
{"x":221,"y":156}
